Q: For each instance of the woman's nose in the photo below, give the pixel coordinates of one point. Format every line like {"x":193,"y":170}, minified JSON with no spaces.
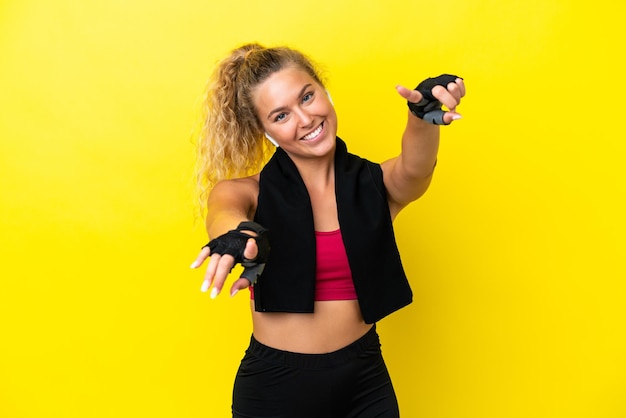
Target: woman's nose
{"x":305,"y":118}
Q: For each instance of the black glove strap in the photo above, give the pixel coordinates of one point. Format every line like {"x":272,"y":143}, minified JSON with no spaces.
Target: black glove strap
{"x":252,"y":273}
{"x":429,"y":108}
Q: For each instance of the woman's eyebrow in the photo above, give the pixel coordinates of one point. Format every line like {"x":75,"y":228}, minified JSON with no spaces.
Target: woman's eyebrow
{"x":281,"y":108}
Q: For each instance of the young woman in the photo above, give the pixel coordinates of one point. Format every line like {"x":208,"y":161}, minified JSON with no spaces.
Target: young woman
{"x":313,"y":228}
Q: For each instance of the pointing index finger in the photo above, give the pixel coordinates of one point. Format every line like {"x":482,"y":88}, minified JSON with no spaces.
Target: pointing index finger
{"x":412,"y":96}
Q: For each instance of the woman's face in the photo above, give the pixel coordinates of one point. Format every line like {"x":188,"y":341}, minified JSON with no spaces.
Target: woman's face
{"x":296,"y":111}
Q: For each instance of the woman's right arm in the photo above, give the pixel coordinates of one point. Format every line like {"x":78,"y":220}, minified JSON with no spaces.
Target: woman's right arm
{"x":230,"y":203}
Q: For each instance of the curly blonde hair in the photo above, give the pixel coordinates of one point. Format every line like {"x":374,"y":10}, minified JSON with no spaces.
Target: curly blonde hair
{"x":231,"y":140}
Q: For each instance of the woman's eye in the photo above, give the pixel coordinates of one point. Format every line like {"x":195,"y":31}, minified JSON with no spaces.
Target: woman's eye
{"x":280,"y":116}
{"x":307,"y":97}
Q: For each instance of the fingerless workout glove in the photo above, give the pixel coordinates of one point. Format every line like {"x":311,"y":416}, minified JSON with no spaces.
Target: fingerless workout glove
{"x":429,"y":108}
{"x":234,"y":243}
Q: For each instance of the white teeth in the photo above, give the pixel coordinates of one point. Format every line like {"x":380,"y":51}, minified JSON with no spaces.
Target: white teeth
{"x":313,"y":134}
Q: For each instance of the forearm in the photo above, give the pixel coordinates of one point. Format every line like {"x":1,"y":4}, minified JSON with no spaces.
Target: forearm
{"x":229,"y":204}
{"x":220,"y":222}
{"x":420,"y":145}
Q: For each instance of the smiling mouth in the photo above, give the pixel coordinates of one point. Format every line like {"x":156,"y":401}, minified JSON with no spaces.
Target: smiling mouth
{"x":314,"y":134}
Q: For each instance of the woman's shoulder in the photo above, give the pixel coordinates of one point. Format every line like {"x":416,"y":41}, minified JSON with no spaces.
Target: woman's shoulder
{"x":239,"y":186}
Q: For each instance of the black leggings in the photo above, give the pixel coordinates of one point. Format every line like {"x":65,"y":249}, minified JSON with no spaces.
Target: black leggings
{"x":352,"y":382}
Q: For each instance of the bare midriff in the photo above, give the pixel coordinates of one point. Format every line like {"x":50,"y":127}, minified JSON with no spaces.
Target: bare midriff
{"x":333,"y":325}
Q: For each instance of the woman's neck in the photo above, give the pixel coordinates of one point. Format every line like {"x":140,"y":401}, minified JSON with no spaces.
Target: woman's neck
{"x":318,"y":174}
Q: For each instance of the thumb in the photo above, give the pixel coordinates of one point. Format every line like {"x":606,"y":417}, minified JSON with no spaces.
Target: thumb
{"x":251,"y":250}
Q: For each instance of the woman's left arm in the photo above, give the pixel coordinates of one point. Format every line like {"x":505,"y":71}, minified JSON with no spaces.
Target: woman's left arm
{"x":408,"y":175}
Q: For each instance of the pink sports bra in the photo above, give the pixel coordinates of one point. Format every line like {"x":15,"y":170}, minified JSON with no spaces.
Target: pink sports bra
{"x":333,"y":275}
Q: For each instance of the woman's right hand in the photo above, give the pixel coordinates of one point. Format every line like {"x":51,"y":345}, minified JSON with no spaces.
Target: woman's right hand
{"x":219,"y":268}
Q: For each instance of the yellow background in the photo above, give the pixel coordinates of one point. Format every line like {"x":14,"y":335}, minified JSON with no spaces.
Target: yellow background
{"x":516,"y":254}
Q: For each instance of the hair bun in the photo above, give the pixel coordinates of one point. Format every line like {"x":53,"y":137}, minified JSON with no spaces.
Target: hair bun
{"x":244,"y":51}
